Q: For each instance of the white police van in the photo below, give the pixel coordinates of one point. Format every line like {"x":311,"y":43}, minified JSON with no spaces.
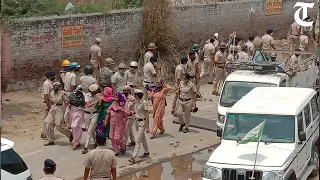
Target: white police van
{"x":249,"y":75}
{"x":12,"y":165}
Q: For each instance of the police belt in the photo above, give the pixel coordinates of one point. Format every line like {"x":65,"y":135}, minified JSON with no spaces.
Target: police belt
{"x":148,"y":82}
{"x":88,"y":112}
{"x":191,"y":77}
{"x":185,"y":99}
{"x":141,"y":119}
{"x":132,"y":86}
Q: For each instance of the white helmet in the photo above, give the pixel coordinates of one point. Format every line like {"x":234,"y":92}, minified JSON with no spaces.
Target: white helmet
{"x":133,"y":64}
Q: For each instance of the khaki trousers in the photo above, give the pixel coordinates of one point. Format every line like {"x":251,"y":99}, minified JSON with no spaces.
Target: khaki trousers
{"x":219,"y":76}
{"x":184,"y":112}
{"x":207,"y":68}
{"x":174,"y":102}
{"x":45,"y":112}
{"x":194,"y":81}
{"x":294,"y":42}
{"x":49,"y":131}
{"x":95,"y":65}
{"x":92,"y":118}
{"x":140,"y":138}
{"x":129,"y":131}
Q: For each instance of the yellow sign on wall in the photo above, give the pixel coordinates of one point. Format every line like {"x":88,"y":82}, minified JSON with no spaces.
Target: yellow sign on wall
{"x":72,"y":35}
{"x":273,"y":7}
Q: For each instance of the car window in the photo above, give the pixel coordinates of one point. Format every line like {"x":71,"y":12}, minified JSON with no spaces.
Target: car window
{"x":314,"y":107}
{"x":12,"y":162}
{"x":300,"y":123}
{"x":307,"y":115}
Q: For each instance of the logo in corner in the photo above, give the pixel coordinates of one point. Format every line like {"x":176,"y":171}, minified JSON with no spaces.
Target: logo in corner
{"x":304,"y":7}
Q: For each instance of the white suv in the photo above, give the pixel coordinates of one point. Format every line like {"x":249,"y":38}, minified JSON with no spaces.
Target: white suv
{"x":271,"y":131}
{"x":12,"y":165}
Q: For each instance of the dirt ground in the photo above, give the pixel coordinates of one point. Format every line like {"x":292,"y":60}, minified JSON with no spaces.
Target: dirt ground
{"x":22,"y":113}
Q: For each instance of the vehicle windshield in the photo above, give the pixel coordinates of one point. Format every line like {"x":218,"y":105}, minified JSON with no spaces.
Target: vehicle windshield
{"x":278,"y":129}
{"x":233,"y":91}
{"x":12,"y":162}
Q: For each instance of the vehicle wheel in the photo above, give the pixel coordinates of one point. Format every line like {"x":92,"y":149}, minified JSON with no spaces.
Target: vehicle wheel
{"x":314,"y":161}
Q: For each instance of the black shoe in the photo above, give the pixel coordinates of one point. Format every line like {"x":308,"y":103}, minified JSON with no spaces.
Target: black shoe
{"x":131,"y":144}
{"x":84,"y":129}
{"x":210,"y":83}
{"x":152,"y":137}
{"x":49,"y":144}
{"x":85,"y":151}
{"x":145,"y":155}
{"x":181,"y":127}
{"x":132,"y":160}
{"x":185,"y":130}
{"x":95,"y":146}
{"x":117,"y":154}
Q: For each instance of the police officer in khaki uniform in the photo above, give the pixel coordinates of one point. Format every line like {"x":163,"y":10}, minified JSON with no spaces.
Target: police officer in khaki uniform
{"x":187,"y":100}
{"x":294,"y":34}
{"x":91,"y":114}
{"x":179,"y":76}
{"x":47,"y":88}
{"x":95,"y":57}
{"x":101,"y":162}
{"x":131,"y":75}
{"x":142,"y":125}
{"x":268,"y":43}
{"x":119,"y":80}
{"x":87,"y":79}
{"x":193,"y":70}
{"x":106,"y":73}
{"x":150,"y":75}
{"x":49,"y":169}
{"x":207,"y":67}
{"x":151,"y":52}
{"x":220,"y":64}
{"x":55,"y":115}
{"x":65,"y":67}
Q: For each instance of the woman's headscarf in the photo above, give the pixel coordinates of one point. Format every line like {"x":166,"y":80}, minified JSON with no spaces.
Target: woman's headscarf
{"x":107,"y":94}
{"x":155,"y":88}
{"x":121,"y":99}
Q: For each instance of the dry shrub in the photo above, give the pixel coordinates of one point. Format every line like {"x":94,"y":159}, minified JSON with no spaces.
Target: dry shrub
{"x":158,"y":27}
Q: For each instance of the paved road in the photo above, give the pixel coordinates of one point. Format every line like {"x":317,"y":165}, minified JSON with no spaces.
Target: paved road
{"x":70,"y":163}
{"x":187,"y":167}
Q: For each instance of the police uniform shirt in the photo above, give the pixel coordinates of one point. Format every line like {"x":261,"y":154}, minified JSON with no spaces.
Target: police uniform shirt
{"x":119,"y":80}
{"x":50,"y":177}
{"x":100,"y":161}
{"x":220,"y":58}
{"x":179,"y":72}
{"x":267,"y":41}
{"x":105,"y":77}
{"x":147,"y":57}
{"x":149,"y":72}
{"x":303,"y":43}
{"x":56,"y":112}
{"x":191,"y":68}
{"x":89,"y":98}
{"x":187,"y":90}
{"x":131,"y":78}
{"x":208,"y":50}
{"x":141,"y":107}
{"x":95,"y":51}
{"x":86,"y":81}
{"x":70,"y":79}
{"x":47,"y":87}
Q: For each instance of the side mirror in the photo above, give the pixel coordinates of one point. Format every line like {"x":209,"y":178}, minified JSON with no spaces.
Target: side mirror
{"x":219,"y":132}
{"x":302,"y":136}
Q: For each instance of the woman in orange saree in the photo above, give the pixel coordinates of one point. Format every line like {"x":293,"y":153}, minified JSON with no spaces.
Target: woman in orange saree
{"x":157,"y":95}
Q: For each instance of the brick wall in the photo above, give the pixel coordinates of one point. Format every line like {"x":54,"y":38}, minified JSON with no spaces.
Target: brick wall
{"x":36,"y":42}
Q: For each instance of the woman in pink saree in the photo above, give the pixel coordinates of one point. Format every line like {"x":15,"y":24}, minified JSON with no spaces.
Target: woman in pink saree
{"x":158,"y":95}
{"x":117,"y":116}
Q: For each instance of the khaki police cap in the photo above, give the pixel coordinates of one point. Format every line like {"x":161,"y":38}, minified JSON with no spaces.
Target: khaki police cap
{"x":93,"y":87}
{"x":98,"y":40}
{"x":137,"y":91}
{"x":126,"y":88}
{"x":56,"y":84}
